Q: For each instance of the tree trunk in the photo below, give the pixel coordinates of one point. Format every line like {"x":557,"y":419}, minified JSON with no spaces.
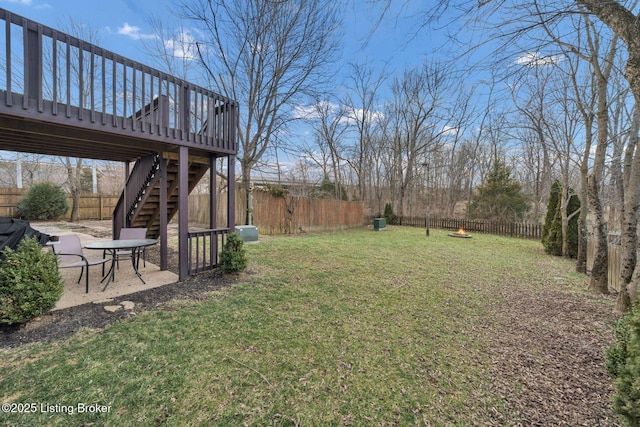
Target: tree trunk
{"x":73,"y":175}
{"x":581,"y":261}
{"x":630,"y":207}
{"x":246,"y":186}
{"x":599,"y":279}
{"x":75,"y":205}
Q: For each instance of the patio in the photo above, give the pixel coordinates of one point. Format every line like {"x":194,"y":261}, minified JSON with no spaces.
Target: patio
{"x":126,"y":282}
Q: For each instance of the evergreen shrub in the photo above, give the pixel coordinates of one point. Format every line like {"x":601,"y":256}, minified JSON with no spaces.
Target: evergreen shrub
{"x":388,"y":213}
{"x":43,"y":201}
{"x":233,"y":258}
{"x":552,"y":229}
{"x":623,"y":364}
{"x":30,"y":283}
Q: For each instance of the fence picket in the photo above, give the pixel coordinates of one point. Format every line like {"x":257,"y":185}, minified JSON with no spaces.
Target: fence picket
{"x":510,"y":229}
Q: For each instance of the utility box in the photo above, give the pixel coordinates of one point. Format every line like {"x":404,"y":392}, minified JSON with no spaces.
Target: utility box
{"x":379,"y":224}
{"x":248,"y":233}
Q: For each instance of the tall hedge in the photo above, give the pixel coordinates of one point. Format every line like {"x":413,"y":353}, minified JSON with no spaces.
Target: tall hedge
{"x":552,"y":229}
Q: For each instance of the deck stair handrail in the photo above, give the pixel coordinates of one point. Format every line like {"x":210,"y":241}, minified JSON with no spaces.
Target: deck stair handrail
{"x":138,"y":184}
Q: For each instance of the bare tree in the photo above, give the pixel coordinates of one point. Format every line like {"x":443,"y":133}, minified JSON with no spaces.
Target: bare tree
{"x":622,"y":21}
{"x":361,"y":104}
{"x":267,"y":55}
{"x":414,"y":124}
{"x":329,"y":133}
{"x":532,"y":100}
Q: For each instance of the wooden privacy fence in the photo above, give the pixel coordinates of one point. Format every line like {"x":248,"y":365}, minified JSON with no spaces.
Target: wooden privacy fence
{"x":613,"y":258}
{"x":272,"y":215}
{"x":92,"y":206}
{"x":282,"y":215}
{"x":510,"y":229}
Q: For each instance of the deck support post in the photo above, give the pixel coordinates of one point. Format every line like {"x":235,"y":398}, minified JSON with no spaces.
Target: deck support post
{"x":231,"y":186}
{"x":183,"y":212}
{"x":163,"y":214}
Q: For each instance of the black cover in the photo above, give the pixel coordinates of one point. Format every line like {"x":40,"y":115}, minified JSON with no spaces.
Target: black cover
{"x":12,"y":231}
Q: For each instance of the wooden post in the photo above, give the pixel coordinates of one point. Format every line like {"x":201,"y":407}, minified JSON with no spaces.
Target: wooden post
{"x":213,"y":210}
{"x":183,"y":212}
{"x":163,"y":214}
{"x":231,"y":186}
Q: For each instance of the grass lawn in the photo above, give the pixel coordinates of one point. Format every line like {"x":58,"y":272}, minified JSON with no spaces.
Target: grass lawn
{"x":347,"y":328}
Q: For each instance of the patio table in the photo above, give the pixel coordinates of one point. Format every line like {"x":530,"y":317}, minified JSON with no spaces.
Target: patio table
{"x":113,"y":246}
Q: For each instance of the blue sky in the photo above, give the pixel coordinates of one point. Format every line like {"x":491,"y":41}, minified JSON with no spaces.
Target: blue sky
{"x":123,"y":26}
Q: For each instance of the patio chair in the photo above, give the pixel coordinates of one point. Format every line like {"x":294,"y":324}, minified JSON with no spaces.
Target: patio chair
{"x":69,"y":252}
{"x":132,"y":233}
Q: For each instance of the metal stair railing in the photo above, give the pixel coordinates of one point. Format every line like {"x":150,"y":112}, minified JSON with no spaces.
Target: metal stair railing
{"x":138,"y":183}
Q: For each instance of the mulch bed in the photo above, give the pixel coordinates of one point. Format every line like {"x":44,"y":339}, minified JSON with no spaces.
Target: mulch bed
{"x":62,"y":323}
{"x":552,"y":344}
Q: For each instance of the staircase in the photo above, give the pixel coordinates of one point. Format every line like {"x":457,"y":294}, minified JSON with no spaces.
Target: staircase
{"x":140,"y":204}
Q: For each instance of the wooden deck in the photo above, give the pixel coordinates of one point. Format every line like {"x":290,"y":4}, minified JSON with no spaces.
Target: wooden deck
{"x":60,"y":95}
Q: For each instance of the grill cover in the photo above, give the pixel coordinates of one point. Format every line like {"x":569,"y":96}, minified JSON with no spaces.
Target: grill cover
{"x":12,"y":231}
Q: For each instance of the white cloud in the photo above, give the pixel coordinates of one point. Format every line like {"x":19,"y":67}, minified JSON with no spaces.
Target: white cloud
{"x":534,"y":59}
{"x":360,"y":114}
{"x":133,"y":32}
{"x":310,"y":112}
{"x":184,"y":46}
{"x":450,"y":130}
{"x":22,"y":2}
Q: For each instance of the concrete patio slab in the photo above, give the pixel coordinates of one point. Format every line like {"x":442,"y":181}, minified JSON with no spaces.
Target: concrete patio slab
{"x":126,"y":282}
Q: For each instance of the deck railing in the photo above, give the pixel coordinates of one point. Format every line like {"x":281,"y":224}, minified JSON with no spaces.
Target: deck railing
{"x":46,"y":72}
{"x":204,"y":249}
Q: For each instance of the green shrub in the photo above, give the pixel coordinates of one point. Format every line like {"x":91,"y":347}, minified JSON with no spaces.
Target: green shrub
{"x":552,"y":229}
{"x":233,"y":257}
{"x":43,"y":201}
{"x":623,"y":364}
{"x":616,"y":354}
{"x":30,"y":283}
{"x":388,"y":213}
